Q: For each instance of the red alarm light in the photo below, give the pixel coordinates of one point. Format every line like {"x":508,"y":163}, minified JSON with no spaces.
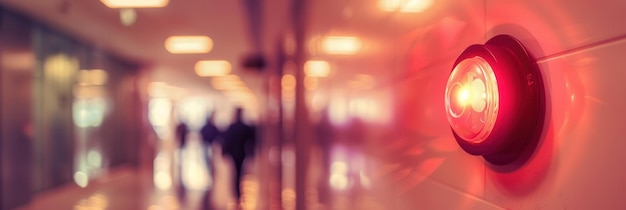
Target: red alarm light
{"x":494,"y":100}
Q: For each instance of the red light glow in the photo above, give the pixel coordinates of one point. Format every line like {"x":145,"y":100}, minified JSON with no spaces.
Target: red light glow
{"x":501,"y":119}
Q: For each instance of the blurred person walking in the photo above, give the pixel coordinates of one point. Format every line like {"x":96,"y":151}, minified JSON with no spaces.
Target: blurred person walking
{"x":181,"y":134}
{"x":240,"y":140}
{"x":210,"y":133}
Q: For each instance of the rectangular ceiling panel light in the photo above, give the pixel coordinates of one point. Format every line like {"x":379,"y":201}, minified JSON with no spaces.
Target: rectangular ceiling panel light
{"x":405,"y":6}
{"x":228,"y":82}
{"x":316,"y":68}
{"x":212,"y":68}
{"x":92,"y":77}
{"x":135,"y":3}
{"x":188,"y":44}
{"x":341,"y":44}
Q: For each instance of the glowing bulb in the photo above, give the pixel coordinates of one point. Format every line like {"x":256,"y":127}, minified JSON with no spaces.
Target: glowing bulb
{"x":463,"y":96}
{"x":472,"y":84}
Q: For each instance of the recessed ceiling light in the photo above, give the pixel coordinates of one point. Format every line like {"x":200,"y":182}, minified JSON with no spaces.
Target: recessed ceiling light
{"x":211,"y":68}
{"x":405,"y":6}
{"x":135,"y":3}
{"x":188,"y":44}
{"x":341,"y":45}
{"x":228,"y":82}
{"x":316,"y":68}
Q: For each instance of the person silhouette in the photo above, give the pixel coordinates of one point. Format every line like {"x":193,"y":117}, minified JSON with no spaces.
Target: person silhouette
{"x":209,"y":133}
{"x":239,"y":142}
{"x":181,"y":134}
{"x":325,"y":134}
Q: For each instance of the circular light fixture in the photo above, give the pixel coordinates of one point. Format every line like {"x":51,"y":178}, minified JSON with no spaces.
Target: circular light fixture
{"x":494,"y":100}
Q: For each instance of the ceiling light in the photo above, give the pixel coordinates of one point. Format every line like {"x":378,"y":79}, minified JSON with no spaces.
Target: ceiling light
{"x":188,"y":44}
{"x":211,"y":68}
{"x":92,"y":77}
{"x":135,"y":3}
{"x":241,"y":96}
{"x":316,"y":68}
{"x":128,"y":16}
{"x":228,"y":82}
{"x":341,"y":44}
{"x":416,"y":6}
{"x":406,"y":6}
{"x":494,"y":100}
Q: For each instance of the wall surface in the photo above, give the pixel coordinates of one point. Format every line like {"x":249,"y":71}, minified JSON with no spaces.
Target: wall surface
{"x":16,"y":79}
{"x":51,"y":114}
{"x":413,"y":161}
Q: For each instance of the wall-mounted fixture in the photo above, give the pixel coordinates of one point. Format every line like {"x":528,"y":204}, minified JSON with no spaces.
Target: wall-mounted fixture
{"x":494,"y":100}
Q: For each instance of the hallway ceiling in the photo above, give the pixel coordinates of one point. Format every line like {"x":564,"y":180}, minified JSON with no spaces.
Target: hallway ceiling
{"x":383,"y":54}
{"x":91,"y":21}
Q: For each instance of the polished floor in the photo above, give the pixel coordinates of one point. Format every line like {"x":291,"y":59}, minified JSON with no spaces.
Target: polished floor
{"x":181,"y":179}
{"x":125,"y":188}
{"x":128,"y":189}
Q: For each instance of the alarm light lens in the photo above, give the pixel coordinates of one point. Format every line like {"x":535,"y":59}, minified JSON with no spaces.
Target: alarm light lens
{"x":472,"y":99}
{"x":495,"y":101}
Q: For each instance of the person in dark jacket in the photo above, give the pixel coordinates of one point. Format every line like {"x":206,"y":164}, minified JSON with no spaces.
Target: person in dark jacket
{"x":210,"y":133}
{"x":181,"y":134}
{"x":239,"y":143}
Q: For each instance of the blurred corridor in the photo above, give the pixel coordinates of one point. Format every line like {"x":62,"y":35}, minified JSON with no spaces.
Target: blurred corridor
{"x":345,"y":104}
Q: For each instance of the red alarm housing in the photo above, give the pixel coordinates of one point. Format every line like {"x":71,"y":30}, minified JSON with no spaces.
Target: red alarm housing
{"x":494,"y":100}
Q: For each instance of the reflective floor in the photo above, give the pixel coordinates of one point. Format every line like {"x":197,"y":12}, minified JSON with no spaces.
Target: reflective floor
{"x":160,"y":187}
{"x":165,"y":184}
{"x":132,"y":189}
